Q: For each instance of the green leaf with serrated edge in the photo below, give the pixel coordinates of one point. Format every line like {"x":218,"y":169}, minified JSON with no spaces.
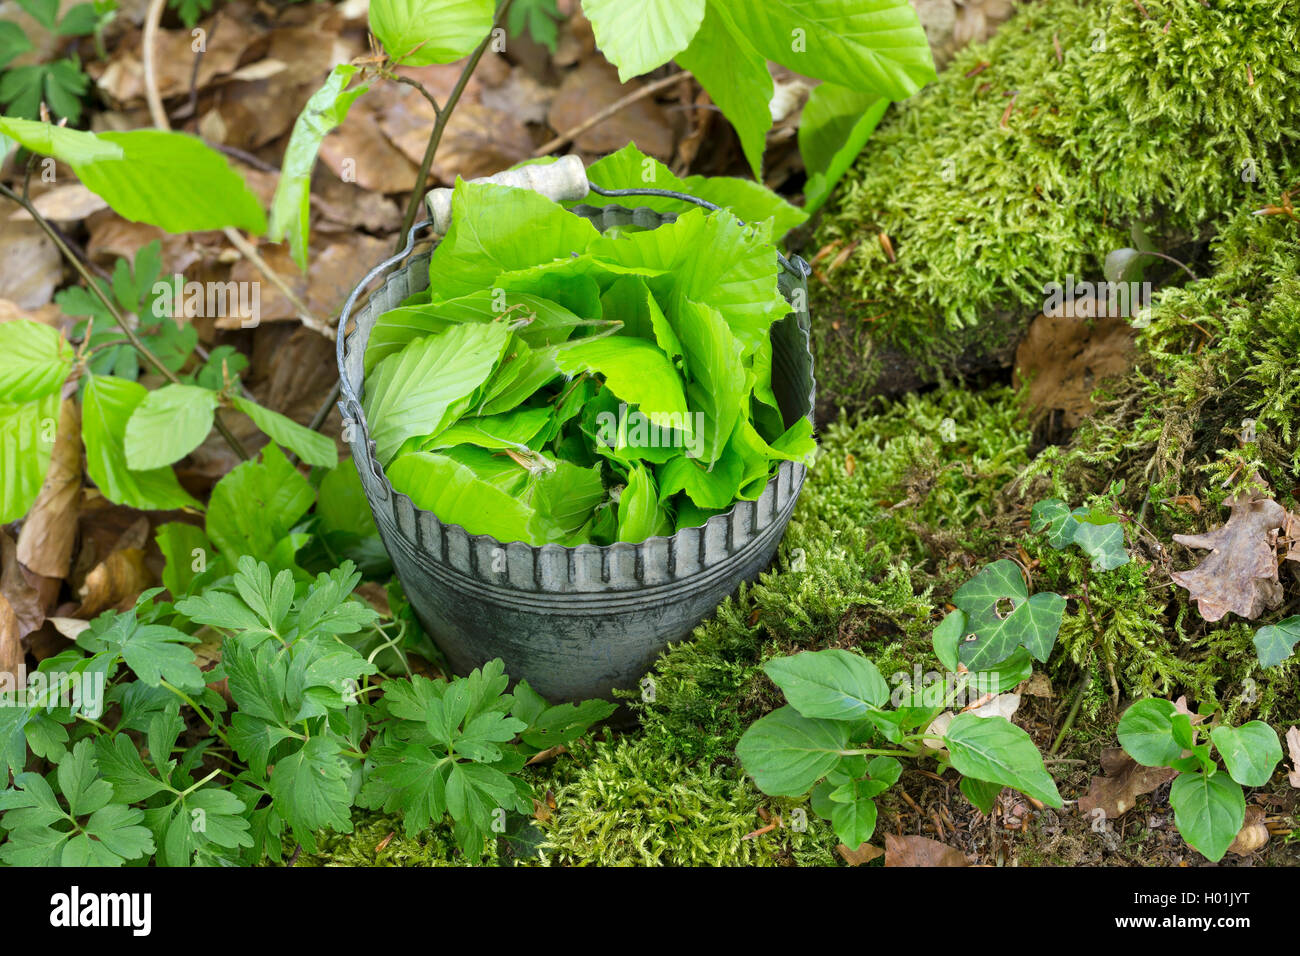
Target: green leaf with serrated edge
{"x":500,"y":229}
{"x":452,"y":491}
{"x":565,"y":498}
{"x":326,"y":109}
{"x":947,"y":637}
{"x":831,"y":684}
{"x":410,"y":779}
{"x":27,"y":433}
{"x":835,"y":125}
{"x":870,"y":45}
{"x":168,"y":424}
{"x":311,"y":446}
{"x":1030,"y":621}
{"x":1053,"y":516}
{"x":511,"y":429}
{"x":1251,"y":752}
{"x":638,"y":37}
{"x":423,"y":387}
{"x":1208,"y":811}
{"x":34,"y":361}
{"x":1276,"y":642}
{"x":996,"y":750}
{"x":13,"y":42}
{"x":636,"y":371}
{"x":421,"y":32}
{"x":786,"y":753}
{"x":718,"y":378}
{"x":980,"y":793}
{"x":69,"y":145}
{"x":1146,"y":733}
{"x":107,"y":406}
{"x":564,"y":723}
{"x":256,"y":505}
{"x":310,"y":789}
{"x":154,"y":652}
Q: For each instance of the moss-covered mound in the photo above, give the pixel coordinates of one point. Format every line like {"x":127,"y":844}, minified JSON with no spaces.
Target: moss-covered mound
{"x":1032,"y":157}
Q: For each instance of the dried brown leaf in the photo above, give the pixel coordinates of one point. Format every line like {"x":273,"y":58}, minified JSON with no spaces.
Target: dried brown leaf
{"x":30,"y":268}
{"x":120,"y":577}
{"x":1253,"y":834}
{"x":863,"y":854}
{"x":1125,"y":780}
{"x":50,"y":530}
{"x":21,"y":588}
{"x":593,"y":86}
{"x":1066,"y":358}
{"x":1293,"y":749}
{"x":11,"y":642}
{"x":920,"y":851}
{"x":1240,"y":574}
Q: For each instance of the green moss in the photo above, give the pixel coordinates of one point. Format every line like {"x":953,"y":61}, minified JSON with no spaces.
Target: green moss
{"x":1146,"y":117}
{"x":897,"y":511}
{"x":631,"y":805}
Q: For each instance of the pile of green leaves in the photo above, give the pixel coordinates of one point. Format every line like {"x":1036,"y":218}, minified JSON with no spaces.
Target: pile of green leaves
{"x":171,"y":771}
{"x":1209,"y":805}
{"x":516,"y":397}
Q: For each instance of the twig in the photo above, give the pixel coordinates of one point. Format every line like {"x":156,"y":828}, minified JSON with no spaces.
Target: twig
{"x":305,"y":316}
{"x":1074,"y":712}
{"x":398,"y":78}
{"x":151,"y":20}
{"x":120,"y":319}
{"x":440,"y":124}
{"x":648,"y":90}
{"x":246,"y":158}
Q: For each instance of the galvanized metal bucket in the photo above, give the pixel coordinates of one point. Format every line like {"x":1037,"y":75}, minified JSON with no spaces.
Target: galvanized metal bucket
{"x":575,"y":622}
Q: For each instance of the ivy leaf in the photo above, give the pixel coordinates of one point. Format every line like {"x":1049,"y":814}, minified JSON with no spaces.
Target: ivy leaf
{"x":1103,"y":542}
{"x":786,"y":753}
{"x":1053,"y":516}
{"x":637,"y":37}
{"x":1275,"y":642}
{"x":832,"y":684}
{"x":168,"y":424}
{"x":1251,"y":752}
{"x":995,"y":750}
{"x":107,"y":406}
{"x":1146,"y":732}
{"x":1030,"y":621}
{"x":326,"y":109}
{"x":420,"y":32}
{"x":1209,"y":811}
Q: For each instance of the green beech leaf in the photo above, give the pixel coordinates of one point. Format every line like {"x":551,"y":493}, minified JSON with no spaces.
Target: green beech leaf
{"x":34,"y":361}
{"x":870,"y":45}
{"x":640,"y":514}
{"x":736,"y":77}
{"x":170,"y":423}
{"x":326,"y":109}
{"x":832,"y":684}
{"x":1209,"y":811}
{"x":311,"y":446}
{"x":637,"y":37}
{"x":420,"y":32}
{"x":1002,"y":616}
{"x":107,"y":406}
{"x":836,"y":124}
{"x":27,"y":433}
{"x":996,"y":750}
{"x":1251,"y":752}
{"x":786,"y":753}
{"x":416,"y":391}
{"x":497,"y":229}
{"x":718,"y":377}
{"x":1275,"y":643}
{"x":636,"y":371}
{"x":170,"y":180}
{"x":456,"y":495}
{"x":1146,"y":732}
